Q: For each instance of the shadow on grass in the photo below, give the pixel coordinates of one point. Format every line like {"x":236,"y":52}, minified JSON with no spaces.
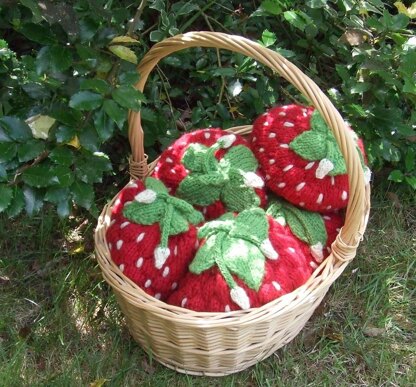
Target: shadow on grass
{"x":60,"y":324}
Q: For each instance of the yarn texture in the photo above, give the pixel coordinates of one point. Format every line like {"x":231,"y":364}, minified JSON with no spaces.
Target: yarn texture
{"x":152,"y":236}
{"x":244,"y":260}
{"x":214,"y":171}
{"x":300,"y":158}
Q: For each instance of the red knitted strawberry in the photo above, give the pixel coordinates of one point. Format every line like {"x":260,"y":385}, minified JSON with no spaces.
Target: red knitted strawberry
{"x":243,"y":261}
{"x":152,"y":237}
{"x":300,"y":158}
{"x":316,"y":232}
{"x":214,"y":171}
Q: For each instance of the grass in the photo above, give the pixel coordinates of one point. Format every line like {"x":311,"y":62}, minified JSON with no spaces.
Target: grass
{"x":60,"y":325}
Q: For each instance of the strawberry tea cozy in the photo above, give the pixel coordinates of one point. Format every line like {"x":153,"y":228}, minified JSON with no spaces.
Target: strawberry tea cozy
{"x":244,"y":261}
{"x":214,"y":171}
{"x":301,"y":159}
{"x":316,"y":232}
{"x":152,"y":236}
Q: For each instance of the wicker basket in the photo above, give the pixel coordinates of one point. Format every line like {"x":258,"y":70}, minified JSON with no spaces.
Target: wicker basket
{"x":218,"y":344}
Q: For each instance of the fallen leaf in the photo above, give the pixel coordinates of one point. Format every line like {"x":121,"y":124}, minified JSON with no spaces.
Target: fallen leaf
{"x":40,"y":125}
{"x":98,"y":382}
{"x":124,"y":39}
{"x":75,"y":142}
{"x":354,"y":36}
{"x":124,"y":53}
{"x":371,"y":331}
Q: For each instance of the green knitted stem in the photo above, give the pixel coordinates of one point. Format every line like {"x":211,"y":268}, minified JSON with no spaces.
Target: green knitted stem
{"x":234,"y":246}
{"x":210,"y":180}
{"x":307,"y":226}
{"x":174,"y":215}
{"x":319,"y":143}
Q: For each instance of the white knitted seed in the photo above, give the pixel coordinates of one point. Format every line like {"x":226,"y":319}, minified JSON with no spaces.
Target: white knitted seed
{"x":124,"y":224}
{"x":291,"y":250}
{"x":310,"y":165}
{"x":289,"y":124}
{"x":272,"y":161}
{"x":320,"y":198}
{"x":165,"y":271}
{"x":267,"y":177}
{"x":284,"y":145}
{"x":268,"y":250}
{"x":148,"y":283}
{"x":227,"y":308}
{"x":140,"y":237}
{"x":272,"y":135}
{"x":325,"y":166}
{"x":317,"y":251}
{"x":119,"y":244}
{"x":252,"y":180}
{"x":302,"y":204}
{"x":139,"y":262}
{"x":174,"y":286}
{"x":266,"y":123}
{"x":132,"y":185}
{"x":239,"y":296}
{"x":281,"y":185}
{"x":313,"y":264}
{"x":184,"y":301}
{"x":122,"y":267}
{"x":344,"y":195}
{"x":173,"y":171}
{"x":282,"y":114}
{"x":117,"y":202}
{"x":332,"y":180}
{"x":169,"y":160}
{"x":207,"y":135}
{"x":227,"y":140}
{"x":254,"y":139}
{"x":175,"y":250}
{"x":261,"y":150}
{"x":326,"y":217}
{"x":300,"y":186}
{"x":147,"y":196}
{"x":158,"y":296}
{"x":288,"y":168}
{"x":276,"y":285}
{"x":281,"y":220}
{"x":329,"y":207}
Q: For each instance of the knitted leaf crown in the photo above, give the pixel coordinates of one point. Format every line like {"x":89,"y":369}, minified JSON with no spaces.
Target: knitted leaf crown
{"x":232,"y":179}
{"x":237,"y":245}
{"x":155,"y":205}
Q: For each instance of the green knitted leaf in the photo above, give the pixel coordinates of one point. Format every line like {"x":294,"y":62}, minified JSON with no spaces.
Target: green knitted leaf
{"x":178,"y":224}
{"x":194,"y":157}
{"x":204,"y":258}
{"x":319,"y":143}
{"x":142,"y":213}
{"x":241,"y":157}
{"x":224,"y":223}
{"x":254,"y":223}
{"x":201,"y":189}
{"x":155,"y":185}
{"x":244,"y":260}
{"x":307,"y":226}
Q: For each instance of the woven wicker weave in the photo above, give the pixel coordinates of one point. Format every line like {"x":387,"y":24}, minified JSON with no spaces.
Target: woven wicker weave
{"x":222,"y":343}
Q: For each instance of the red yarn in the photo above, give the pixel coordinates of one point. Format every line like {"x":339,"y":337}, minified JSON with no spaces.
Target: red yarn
{"x":208,"y":292}
{"x":285,"y":171}
{"x":132,"y":248}
{"x":171,"y":171}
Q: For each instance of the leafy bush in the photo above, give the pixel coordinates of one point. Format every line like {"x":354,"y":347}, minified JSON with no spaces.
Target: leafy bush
{"x":68,"y":70}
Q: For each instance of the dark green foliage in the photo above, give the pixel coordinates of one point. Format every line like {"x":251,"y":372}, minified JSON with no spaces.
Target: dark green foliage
{"x":67,"y":73}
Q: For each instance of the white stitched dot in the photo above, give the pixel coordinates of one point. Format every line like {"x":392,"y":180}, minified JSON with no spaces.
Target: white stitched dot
{"x":304,"y":110}
{"x":119,"y":244}
{"x":204,"y":210}
{"x":261,"y":150}
{"x":170,"y":147}
{"x":124,"y":224}
{"x":272,"y":161}
{"x":207,"y":135}
{"x":338,"y":229}
{"x":276,"y":285}
{"x":139,"y":262}
{"x":326,"y":217}
{"x":140,"y":237}
{"x":310,"y":165}
{"x":175,"y":250}
{"x":329,"y":207}
{"x":254,"y":138}
{"x":117,"y":202}
{"x":133,"y":185}
{"x":157,"y":169}
{"x":147,"y":283}
{"x":291,"y":250}
{"x":281,"y":185}
{"x":272,"y":135}
{"x":265,"y":114}
{"x":158,"y":296}
{"x":313,"y":264}
{"x":302,"y":204}
{"x":227,"y":308}
{"x":332,"y":180}
{"x":174,"y":285}
{"x":166,"y":271}
{"x":300,"y":186}
{"x":320,"y":198}
{"x":121,"y":267}
{"x":169,"y":160}
{"x":196,"y":244}
{"x":267,"y":177}
{"x":344,"y":195}
{"x":173,"y":171}
{"x":288,"y":168}
{"x":289,"y":124}
{"x":183,"y":303}
{"x":266,"y":123}
{"x":282,"y":114}
{"x":284,"y":145}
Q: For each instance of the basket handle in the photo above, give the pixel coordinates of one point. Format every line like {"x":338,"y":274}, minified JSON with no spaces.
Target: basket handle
{"x":354,"y":227}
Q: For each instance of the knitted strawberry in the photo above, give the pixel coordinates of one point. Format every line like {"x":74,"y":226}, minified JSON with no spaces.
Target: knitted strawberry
{"x":243,"y":261}
{"x":301,"y":159}
{"x":315,"y":231}
{"x":214,"y":171}
{"x":152,"y":236}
